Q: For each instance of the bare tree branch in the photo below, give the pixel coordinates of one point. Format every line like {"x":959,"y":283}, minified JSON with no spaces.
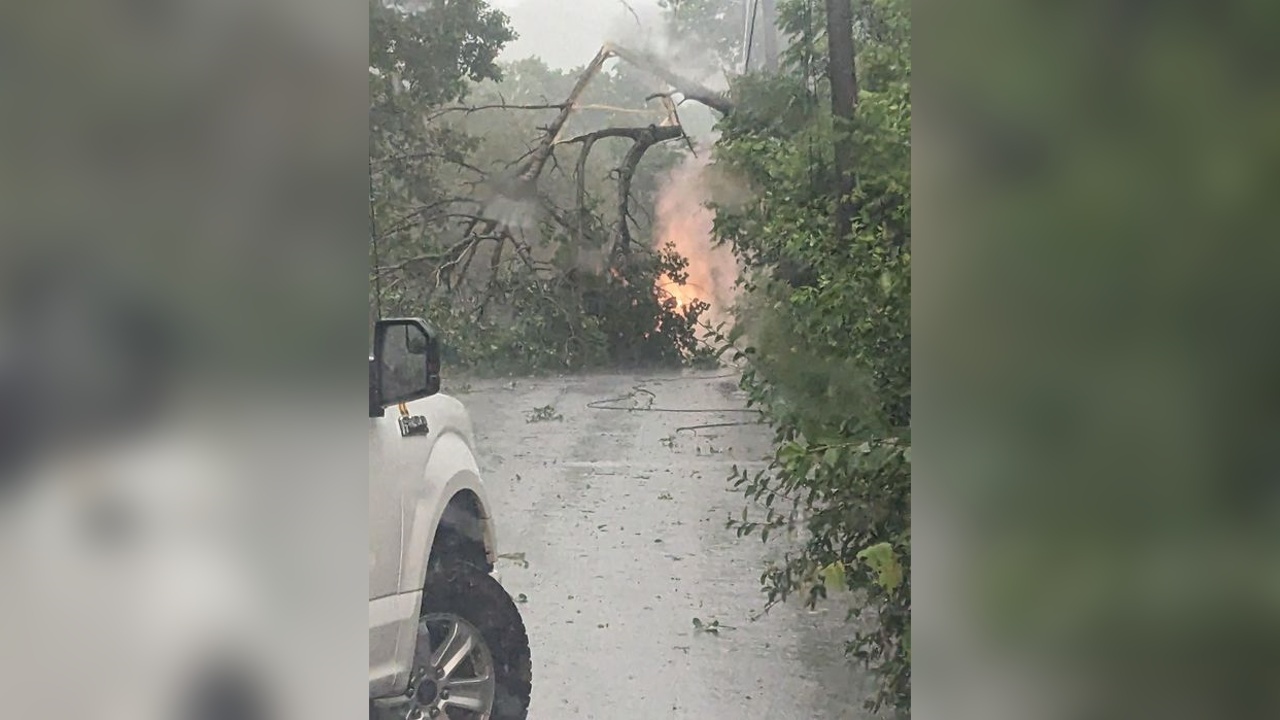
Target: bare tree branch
{"x":635,"y":133}
{"x":648,"y":215}
{"x":468,"y":109}
{"x":580,"y":175}
{"x":429,"y":257}
{"x":560,"y":219}
{"x":448,"y":158}
{"x":495,"y":262}
{"x":673,"y":117}
{"x":632,"y":10}
{"x":471,"y":255}
{"x":420,"y":213}
{"x":535,"y":163}
{"x":690,"y":89}
{"x":522,"y":158}
{"x":588,"y":140}
{"x":555,"y":162}
{"x":648,"y":138}
{"x":454,"y":262}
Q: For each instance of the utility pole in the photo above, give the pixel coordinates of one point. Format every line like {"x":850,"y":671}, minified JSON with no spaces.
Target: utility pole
{"x":760,"y":35}
{"x":844,"y":100}
{"x":767,"y":29}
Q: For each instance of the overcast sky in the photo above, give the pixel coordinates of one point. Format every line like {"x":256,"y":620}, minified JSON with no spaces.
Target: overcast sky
{"x":567,"y":33}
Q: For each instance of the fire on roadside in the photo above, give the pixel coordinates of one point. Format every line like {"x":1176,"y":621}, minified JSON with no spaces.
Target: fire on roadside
{"x":684,"y":295}
{"x":685,"y":223}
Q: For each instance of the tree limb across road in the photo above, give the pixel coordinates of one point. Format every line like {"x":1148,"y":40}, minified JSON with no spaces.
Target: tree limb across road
{"x":531,"y":167}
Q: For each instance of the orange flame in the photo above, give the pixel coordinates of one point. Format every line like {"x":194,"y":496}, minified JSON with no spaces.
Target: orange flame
{"x":684,"y":295}
{"x":684,"y":220}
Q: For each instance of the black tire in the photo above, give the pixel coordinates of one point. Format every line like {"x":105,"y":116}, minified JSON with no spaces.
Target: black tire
{"x":477,"y":597}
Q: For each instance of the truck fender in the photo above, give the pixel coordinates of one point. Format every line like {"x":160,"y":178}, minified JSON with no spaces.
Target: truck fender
{"x":451,"y":469}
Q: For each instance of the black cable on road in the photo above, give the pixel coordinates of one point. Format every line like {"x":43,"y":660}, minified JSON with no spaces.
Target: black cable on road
{"x":683,"y":378}
{"x":716,"y":425}
{"x":607,"y":404}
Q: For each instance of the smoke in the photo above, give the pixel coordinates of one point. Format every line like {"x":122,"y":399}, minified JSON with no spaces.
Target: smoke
{"x":645,"y":28}
{"x":685,"y":221}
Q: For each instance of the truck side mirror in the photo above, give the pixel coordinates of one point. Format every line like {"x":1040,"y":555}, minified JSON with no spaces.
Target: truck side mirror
{"x":405,"y":365}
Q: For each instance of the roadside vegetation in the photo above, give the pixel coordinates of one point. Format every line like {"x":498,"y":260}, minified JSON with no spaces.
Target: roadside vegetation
{"x":514,"y":206}
{"x":824,"y":327}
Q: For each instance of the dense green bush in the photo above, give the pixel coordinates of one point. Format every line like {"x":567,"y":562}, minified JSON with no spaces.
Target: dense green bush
{"x":824,"y":330}
{"x":573,"y":321}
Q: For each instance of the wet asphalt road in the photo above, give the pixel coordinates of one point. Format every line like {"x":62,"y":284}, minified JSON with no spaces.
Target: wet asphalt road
{"x":620,"y":519}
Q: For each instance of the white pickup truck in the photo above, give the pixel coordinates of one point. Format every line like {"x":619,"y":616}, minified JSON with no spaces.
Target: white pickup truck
{"x":445,"y":639}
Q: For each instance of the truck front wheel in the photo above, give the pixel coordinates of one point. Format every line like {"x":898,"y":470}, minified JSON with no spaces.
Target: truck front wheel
{"x":472,"y":658}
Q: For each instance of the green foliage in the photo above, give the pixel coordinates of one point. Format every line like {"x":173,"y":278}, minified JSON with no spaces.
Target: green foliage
{"x":419,"y":59}
{"x":824,"y":331}
{"x":569,"y":321}
{"x":884,"y":563}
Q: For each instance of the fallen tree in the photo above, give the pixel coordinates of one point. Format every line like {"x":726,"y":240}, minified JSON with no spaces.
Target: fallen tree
{"x":523,"y":188}
{"x":507,"y":241}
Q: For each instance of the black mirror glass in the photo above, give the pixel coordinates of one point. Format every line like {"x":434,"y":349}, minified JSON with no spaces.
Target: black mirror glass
{"x":403,"y":366}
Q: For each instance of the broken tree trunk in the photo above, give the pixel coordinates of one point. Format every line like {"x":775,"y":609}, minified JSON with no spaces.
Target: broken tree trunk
{"x":538,"y":160}
{"x":690,"y":89}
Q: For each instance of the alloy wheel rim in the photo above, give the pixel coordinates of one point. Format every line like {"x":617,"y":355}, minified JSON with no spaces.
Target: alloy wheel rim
{"x":453,"y":672}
